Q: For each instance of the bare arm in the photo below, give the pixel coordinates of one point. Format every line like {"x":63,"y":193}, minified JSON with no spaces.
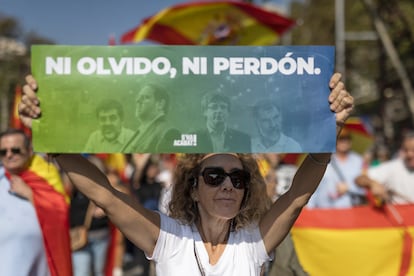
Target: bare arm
{"x":376,"y":188}
{"x":277,"y":222}
{"x":140,"y":225}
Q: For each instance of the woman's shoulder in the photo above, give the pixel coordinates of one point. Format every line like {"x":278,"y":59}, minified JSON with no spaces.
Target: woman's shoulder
{"x":249,"y":232}
{"x":172,"y":225}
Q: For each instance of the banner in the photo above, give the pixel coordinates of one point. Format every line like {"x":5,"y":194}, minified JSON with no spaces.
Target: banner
{"x":190,"y":99}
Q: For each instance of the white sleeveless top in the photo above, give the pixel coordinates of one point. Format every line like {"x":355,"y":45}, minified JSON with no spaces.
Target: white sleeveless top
{"x":178,"y":245}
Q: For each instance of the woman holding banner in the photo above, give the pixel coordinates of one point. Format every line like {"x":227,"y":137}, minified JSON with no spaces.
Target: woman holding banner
{"x":220,"y":221}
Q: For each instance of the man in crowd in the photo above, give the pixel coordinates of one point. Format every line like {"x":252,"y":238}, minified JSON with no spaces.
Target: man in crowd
{"x":338,"y":188}
{"x":34,"y":233}
{"x":393,"y":181}
{"x":111,"y":135}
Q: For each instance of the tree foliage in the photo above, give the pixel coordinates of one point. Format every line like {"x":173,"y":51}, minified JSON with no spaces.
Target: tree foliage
{"x":14,"y":62}
{"x":370,"y":75}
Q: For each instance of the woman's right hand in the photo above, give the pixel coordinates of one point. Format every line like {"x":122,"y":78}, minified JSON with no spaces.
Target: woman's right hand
{"x":28,"y":107}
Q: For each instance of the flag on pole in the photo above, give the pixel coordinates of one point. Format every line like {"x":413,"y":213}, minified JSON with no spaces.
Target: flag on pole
{"x":212,"y":23}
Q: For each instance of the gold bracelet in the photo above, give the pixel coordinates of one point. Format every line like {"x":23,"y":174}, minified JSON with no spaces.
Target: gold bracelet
{"x":316,"y":161}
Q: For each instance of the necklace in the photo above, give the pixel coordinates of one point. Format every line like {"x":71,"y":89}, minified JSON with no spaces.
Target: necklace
{"x":203,"y":236}
{"x":203,"y":239}
{"x":200,"y":266}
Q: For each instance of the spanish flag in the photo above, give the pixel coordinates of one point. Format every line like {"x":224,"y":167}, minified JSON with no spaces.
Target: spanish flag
{"x":52,"y":209}
{"x":361,"y":133}
{"x":114,"y":257}
{"x":115,"y":162}
{"x":212,"y":23}
{"x":15,"y":121}
{"x":363,"y":241}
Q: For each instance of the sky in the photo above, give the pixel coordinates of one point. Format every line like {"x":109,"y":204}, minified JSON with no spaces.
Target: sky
{"x":83,"y":22}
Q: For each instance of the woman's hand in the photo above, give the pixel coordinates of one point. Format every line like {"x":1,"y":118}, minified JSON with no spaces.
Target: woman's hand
{"x":341,"y":102}
{"x":28,"y":107}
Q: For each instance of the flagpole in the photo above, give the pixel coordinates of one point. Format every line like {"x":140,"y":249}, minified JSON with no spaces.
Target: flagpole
{"x":340,"y":37}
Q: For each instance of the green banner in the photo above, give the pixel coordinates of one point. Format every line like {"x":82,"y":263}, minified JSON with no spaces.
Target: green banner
{"x":192,"y":99}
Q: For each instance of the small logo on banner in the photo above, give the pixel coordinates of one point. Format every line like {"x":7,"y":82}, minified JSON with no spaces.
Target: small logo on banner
{"x":186,"y":140}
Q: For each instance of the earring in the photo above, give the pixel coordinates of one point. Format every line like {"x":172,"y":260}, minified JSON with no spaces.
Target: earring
{"x":194,"y":197}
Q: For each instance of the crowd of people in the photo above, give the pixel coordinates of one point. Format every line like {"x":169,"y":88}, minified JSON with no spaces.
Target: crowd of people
{"x":355,"y":179}
{"x":217,"y":200}
{"x":148,"y":177}
{"x":179,"y":213}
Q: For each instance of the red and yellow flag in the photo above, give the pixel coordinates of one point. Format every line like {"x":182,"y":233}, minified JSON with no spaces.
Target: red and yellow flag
{"x":52,"y":209}
{"x":212,"y":23}
{"x":362,"y":241}
{"x":15,"y":121}
{"x":361,"y":133}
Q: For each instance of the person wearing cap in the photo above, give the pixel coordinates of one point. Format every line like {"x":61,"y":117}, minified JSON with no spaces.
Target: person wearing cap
{"x":220,"y":221}
{"x":338,"y":188}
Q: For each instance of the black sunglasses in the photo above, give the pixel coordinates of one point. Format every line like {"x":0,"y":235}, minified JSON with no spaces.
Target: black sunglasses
{"x":3,"y":152}
{"x":215,"y":176}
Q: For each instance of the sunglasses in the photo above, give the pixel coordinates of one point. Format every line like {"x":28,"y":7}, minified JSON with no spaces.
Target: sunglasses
{"x":3,"y":152}
{"x":215,"y":176}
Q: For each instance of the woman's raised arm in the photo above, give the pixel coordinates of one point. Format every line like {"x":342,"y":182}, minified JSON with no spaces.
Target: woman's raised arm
{"x":139,"y":225}
{"x":278,"y":221}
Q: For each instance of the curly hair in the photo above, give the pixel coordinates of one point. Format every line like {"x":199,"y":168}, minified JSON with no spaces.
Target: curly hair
{"x":183,"y":207}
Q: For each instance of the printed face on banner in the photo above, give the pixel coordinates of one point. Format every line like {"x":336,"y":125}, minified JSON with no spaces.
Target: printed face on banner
{"x":216,"y":115}
{"x":110,"y":124}
{"x":146,"y":104}
{"x":269,"y":121}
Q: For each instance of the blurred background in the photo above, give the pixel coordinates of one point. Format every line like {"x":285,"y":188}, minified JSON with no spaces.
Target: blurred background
{"x":373,"y":39}
{"x":374,"y":52}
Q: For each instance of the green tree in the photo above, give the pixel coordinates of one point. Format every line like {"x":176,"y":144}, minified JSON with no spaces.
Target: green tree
{"x":370,"y":73}
{"x":14,"y":62}
{"x":12,"y":56}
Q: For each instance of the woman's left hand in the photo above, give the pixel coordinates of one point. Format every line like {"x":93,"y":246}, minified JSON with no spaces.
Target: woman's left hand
{"x":341,"y":102}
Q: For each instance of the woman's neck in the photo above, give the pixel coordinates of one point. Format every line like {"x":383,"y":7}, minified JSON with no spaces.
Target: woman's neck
{"x":217,"y":234}
{"x":215,"y":239}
